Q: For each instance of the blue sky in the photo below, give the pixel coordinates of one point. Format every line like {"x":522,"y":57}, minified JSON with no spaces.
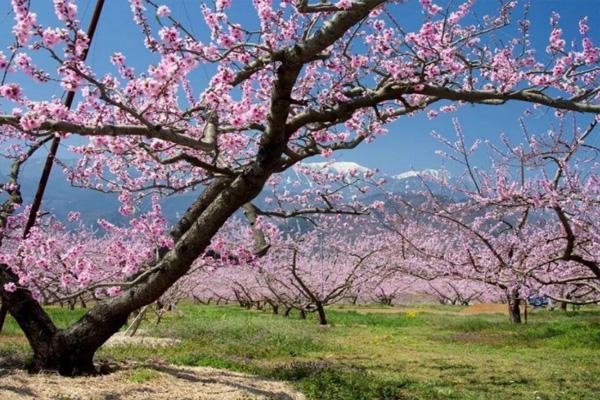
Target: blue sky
{"x":409,"y":143}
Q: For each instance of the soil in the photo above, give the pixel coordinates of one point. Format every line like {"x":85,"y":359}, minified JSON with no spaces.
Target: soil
{"x":399,"y":310}
{"x":155,"y":382}
{"x":485,"y":308}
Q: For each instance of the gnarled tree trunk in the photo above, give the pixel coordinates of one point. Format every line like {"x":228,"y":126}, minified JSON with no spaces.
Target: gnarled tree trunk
{"x":71,"y":351}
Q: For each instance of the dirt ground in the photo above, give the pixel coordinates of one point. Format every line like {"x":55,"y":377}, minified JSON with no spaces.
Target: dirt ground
{"x":485,"y":308}
{"x":481,"y":308}
{"x":144,"y":383}
{"x":399,"y":310}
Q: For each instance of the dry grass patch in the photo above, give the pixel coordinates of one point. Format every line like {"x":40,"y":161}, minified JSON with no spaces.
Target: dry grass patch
{"x":145,"y":383}
{"x":122,"y":339}
{"x":486,"y":308}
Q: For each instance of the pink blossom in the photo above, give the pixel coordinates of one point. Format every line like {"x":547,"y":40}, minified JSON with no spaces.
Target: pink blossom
{"x":344,"y":4}
{"x":32,"y":120}
{"x":222,"y":4}
{"x":51,"y":37}
{"x":25,"y":63}
{"x":10,"y":287}
{"x":163,"y":11}
{"x":556,"y":42}
{"x":25,"y":21}
{"x":3,"y":61}
{"x":113,"y":291}
{"x":430,"y":7}
{"x":169,"y":35}
{"x":583,"y":26}
{"x":378,"y":205}
{"x":65,"y":10}
{"x":326,"y":152}
{"x":12,"y":91}
{"x":591,"y":54}
{"x":74,"y":216}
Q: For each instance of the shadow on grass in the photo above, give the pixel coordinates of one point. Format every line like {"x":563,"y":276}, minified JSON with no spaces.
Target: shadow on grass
{"x":331,"y":381}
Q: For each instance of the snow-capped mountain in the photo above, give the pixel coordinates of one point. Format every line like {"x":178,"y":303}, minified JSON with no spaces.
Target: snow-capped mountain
{"x":433,"y":173}
{"x":302,"y":177}
{"x":342,"y":167}
{"x":338,"y":166}
{"x":61,"y":198}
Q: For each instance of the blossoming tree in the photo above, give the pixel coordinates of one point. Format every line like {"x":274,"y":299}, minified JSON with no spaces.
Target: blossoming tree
{"x":313,"y":78}
{"x":528,"y":225}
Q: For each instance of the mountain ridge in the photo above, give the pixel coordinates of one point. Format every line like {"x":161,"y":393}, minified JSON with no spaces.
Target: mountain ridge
{"x":61,"y":197}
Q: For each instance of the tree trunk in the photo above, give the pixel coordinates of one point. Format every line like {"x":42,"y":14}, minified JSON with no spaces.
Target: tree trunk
{"x":70,"y":351}
{"x":3,"y":312}
{"x":564,"y":304}
{"x":514,"y":307}
{"x":302,"y":314}
{"x":385,"y":300}
{"x":321,"y":313}
{"x":159,"y":316}
{"x":131,"y":331}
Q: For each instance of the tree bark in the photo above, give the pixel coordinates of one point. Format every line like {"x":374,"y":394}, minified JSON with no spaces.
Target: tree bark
{"x":385,"y":300}
{"x":71,"y":351}
{"x":3,"y":312}
{"x":514,"y":307}
{"x":68,"y":352}
{"x":564,"y":304}
{"x":137,"y":321}
{"x":321,"y":313}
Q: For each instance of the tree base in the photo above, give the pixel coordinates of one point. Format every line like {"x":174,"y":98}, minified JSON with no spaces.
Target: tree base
{"x":65,"y":360}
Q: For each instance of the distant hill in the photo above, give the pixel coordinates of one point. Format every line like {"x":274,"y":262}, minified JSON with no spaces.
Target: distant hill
{"x":61,"y":198}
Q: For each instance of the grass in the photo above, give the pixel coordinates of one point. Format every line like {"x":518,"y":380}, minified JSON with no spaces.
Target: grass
{"x":377,"y":353}
{"x":141,"y":375}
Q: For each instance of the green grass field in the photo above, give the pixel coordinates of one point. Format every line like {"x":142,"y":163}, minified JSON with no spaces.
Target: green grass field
{"x":434,"y":353}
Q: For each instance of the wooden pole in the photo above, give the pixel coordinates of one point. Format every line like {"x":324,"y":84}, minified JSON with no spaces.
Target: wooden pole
{"x":39,"y":194}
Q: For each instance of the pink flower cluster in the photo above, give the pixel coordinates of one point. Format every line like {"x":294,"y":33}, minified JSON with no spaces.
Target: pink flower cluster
{"x":25,"y":21}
